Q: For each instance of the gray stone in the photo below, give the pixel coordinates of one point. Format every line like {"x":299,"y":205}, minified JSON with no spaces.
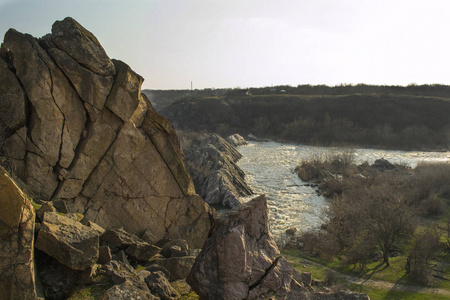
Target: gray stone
{"x":104,"y":255}
{"x":159,"y":285}
{"x":91,"y":139}
{"x":178,"y":267}
{"x":68,"y":241}
{"x":17,"y":279}
{"x":212,"y":165}
{"x":142,"y":251}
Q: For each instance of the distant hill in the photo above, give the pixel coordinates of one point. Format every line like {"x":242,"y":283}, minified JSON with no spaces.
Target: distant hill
{"x":413,"y":117}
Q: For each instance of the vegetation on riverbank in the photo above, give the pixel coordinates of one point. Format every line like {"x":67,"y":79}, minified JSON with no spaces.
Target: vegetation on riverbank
{"x":385,"y":222}
{"x":370,"y":116}
{"x":387,"y":283}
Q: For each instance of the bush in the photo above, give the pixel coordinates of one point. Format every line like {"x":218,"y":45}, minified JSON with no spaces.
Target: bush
{"x":333,"y":164}
{"x":433,"y":206}
{"x":418,"y":264}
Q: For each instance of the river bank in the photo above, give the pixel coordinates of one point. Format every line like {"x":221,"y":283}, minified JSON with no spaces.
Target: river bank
{"x":269,"y":168}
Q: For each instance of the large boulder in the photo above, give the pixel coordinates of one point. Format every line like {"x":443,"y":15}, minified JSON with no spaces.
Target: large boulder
{"x":68,"y":241}
{"x":238,"y":255}
{"x":178,"y":267}
{"x":211,"y":161}
{"x":133,"y":284}
{"x":240,"y":260}
{"x":75,"y":128}
{"x":17,"y":217}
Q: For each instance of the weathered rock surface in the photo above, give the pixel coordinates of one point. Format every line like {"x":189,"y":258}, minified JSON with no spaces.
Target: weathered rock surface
{"x":237,"y":140}
{"x":237,"y":254}
{"x":178,"y":267}
{"x":68,"y":241}
{"x":77,"y":129}
{"x":17,"y":279}
{"x":240,"y":260}
{"x":118,"y":239}
{"x":142,"y":251}
{"x":211,"y":161}
{"x":132,"y":284}
{"x":158,"y":283}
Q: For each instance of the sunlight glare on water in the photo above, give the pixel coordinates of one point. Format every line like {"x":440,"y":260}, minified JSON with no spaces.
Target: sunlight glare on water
{"x":269,"y":169}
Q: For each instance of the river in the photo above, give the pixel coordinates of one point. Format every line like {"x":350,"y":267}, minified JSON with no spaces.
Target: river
{"x":269,"y":169}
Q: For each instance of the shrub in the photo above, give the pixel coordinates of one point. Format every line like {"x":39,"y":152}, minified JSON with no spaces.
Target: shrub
{"x":418,"y":264}
{"x":433,"y":206}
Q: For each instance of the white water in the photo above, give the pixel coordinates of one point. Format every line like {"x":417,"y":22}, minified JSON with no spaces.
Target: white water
{"x":269,"y":169}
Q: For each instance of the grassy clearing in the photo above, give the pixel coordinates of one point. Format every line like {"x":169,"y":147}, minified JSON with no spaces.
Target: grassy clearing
{"x":375,"y":271}
{"x":384,"y":294}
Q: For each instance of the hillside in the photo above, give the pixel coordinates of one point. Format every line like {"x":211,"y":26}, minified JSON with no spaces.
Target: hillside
{"x":391,"y":120}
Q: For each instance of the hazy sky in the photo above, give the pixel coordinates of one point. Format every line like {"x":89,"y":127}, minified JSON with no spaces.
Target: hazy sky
{"x":228,"y":43}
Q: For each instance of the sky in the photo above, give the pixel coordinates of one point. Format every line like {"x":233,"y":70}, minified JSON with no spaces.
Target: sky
{"x":256,"y":43}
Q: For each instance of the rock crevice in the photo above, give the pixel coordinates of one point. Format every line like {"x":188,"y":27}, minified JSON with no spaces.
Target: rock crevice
{"x":80,"y":131}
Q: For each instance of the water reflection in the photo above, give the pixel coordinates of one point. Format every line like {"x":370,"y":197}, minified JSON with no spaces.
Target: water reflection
{"x":269,"y":167}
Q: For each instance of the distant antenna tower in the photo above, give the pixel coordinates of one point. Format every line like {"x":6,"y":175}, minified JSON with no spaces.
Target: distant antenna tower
{"x":191,"y":88}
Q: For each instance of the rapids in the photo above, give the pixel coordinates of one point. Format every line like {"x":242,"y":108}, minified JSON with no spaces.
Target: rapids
{"x":269,"y":168}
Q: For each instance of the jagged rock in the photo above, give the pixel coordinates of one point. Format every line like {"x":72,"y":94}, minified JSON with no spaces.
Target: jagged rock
{"x":17,"y":217}
{"x":158,"y":283}
{"x":178,"y":267}
{"x":142,"y":251}
{"x":46,"y":207}
{"x":100,"y":230}
{"x":237,"y":140}
{"x":240,"y":260}
{"x":89,"y":52}
{"x":68,"y":241}
{"x":237,"y":254}
{"x":121,"y":272}
{"x":129,"y":283}
{"x":91,"y":139}
{"x":121,"y":256}
{"x":277,"y":281}
{"x":168,"y":251}
{"x":134,"y":284}
{"x":118,"y":239}
{"x":216,"y":176}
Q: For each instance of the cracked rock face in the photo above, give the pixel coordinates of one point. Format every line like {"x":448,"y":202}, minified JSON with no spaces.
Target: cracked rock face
{"x":212,"y":164}
{"x":16,"y":242}
{"x":76,"y":128}
{"x":240,"y":260}
{"x":240,"y":256}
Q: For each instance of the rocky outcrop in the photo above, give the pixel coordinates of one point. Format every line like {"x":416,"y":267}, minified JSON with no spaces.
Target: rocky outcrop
{"x":76,"y":129}
{"x":17,"y":216}
{"x":68,"y":241}
{"x":237,"y":255}
{"x":237,"y":140}
{"x":211,"y":161}
{"x":240,"y":260}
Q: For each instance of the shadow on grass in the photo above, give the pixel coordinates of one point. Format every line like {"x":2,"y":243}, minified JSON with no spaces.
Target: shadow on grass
{"x":367,"y":274}
{"x":399,"y":288}
{"x":378,"y":268}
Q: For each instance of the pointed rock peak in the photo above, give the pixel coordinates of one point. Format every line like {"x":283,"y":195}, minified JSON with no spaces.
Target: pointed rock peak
{"x":79,"y":43}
